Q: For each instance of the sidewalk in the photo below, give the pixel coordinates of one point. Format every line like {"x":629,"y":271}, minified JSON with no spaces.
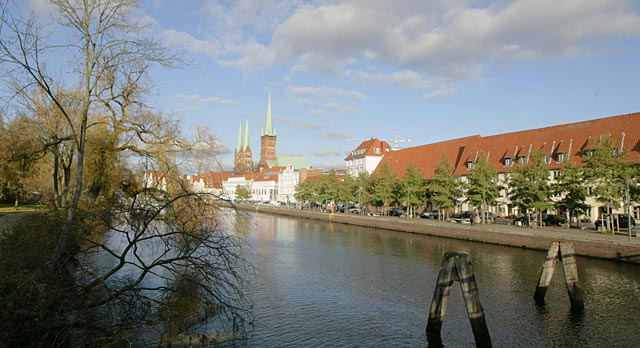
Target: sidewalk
{"x":588,"y":243}
{"x":588,"y":234}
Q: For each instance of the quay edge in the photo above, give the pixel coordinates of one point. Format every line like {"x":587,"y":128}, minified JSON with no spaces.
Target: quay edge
{"x":586,"y":243}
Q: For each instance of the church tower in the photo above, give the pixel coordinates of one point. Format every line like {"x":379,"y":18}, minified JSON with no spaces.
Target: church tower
{"x":267,"y":141}
{"x":243,"y":159}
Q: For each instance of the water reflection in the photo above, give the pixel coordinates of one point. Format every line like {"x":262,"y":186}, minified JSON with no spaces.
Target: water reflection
{"x":333,"y":285}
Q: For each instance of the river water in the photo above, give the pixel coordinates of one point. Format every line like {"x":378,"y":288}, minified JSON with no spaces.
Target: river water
{"x":333,"y":285}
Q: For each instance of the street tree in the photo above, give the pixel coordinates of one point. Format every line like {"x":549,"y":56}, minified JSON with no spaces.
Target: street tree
{"x":571,"y":192}
{"x":328,"y":188}
{"x":607,"y":173}
{"x":412,"y":188}
{"x":383,"y":187}
{"x":306,"y":191}
{"x":444,"y":187}
{"x":242,"y":193}
{"x":347,"y":190}
{"x":529,"y":186}
{"x":482,"y":189}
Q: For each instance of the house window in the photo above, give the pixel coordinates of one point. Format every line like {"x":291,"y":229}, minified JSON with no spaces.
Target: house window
{"x":547,"y":159}
{"x":588,"y":153}
{"x":376,"y":150}
{"x":508,"y":162}
{"x":560,"y":157}
{"x":522,"y":159}
{"x":470,"y":165}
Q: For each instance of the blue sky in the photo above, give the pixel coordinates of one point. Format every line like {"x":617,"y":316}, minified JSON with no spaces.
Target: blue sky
{"x":421,"y":70}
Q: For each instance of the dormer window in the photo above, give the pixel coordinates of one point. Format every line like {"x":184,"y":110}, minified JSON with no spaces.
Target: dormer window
{"x":522,"y":160}
{"x":470,"y":165}
{"x":588,"y":153}
{"x":561,"y":157}
{"x":508,"y":162}
{"x":547,"y":159}
{"x":376,"y":150}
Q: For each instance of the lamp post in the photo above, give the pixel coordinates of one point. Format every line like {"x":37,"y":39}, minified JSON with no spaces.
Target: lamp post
{"x":628,"y":211}
{"x":408,"y":200}
{"x":360,"y":200}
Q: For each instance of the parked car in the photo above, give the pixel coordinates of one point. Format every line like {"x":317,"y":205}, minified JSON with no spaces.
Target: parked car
{"x":618,"y":219}
{"x":462,"y":215}
{"x":430,"y":214}
{"x":553,"y":220}
{"x":525,"y":221}
{"x":354,"y":209}
{"x":396,"y":212}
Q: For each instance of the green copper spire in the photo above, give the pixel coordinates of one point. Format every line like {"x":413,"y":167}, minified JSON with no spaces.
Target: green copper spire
{"x":239,"y":143}
{"x":268,"y":128}
{"x":245,"y":145}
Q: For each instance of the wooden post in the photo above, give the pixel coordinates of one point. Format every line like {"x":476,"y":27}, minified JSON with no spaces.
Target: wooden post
{"x":464,"y":274}
{"x":547,"y":273}
{"x":566,"y":254}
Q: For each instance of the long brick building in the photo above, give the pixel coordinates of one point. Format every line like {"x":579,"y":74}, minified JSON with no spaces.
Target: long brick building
{"x":559,"y":144}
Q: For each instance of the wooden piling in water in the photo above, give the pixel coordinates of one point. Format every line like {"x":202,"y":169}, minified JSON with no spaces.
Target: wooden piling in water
{"x":457,"y":267}
{"x":565,"y":253}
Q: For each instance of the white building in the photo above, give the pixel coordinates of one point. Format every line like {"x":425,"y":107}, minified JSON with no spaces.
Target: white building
{"x":230,"y":186}
{"x":288,"y":179}
{"x":366,"y":157}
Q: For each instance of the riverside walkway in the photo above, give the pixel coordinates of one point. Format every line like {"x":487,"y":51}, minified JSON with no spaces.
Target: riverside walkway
{"x":587,"y":242}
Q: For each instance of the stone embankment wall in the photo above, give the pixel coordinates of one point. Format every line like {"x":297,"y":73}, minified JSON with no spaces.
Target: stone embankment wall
{"x":586,"y":243}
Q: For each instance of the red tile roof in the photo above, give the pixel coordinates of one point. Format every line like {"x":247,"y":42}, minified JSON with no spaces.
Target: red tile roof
{"x":368,"y":148}
{"x":426,"y":157}
{"x":212,"y":179}
{"x":569,"y":139}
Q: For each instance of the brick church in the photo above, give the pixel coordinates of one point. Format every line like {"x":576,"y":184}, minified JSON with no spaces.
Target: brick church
{"x":243,"y":160}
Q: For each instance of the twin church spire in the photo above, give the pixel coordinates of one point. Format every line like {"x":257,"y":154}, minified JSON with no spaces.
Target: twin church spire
{"x":243,"y":162}
{"x":243,"y":143}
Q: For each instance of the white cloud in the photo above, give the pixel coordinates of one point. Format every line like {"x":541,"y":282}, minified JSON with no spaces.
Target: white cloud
{"x":405,"y":78}
{"x":334,"y":135}
{"x":206,"y":100}
{"x":185,"y":41}
{"x":313,"y":125}
{"x":328,"y":153}
{"x":340,"y":107}
{"x":452,"y":40}
{"x":310,"y":91}
{"x":41,"y":8}
{"x":417,"y":44}
{"x":440,"y":92}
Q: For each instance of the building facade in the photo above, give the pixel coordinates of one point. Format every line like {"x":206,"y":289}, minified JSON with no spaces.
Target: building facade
{"x":366,"y":157}
{"x":559,"y":145}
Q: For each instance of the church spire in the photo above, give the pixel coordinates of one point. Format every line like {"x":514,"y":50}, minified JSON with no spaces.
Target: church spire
{"x":246,"y":144}
{"x":239,"y":146}
{"x":268,"y":127}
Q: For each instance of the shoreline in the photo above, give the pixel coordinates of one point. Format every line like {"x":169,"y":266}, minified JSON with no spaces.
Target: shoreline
{"x":586,"y":243}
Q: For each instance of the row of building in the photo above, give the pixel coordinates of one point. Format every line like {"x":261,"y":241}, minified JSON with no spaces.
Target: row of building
{"x":274,"y":178}
{"x":559,"y":144}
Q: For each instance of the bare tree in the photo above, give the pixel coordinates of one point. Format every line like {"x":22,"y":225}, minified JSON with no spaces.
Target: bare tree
{"x":109,"y":63}
{"x":161,"y":240}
